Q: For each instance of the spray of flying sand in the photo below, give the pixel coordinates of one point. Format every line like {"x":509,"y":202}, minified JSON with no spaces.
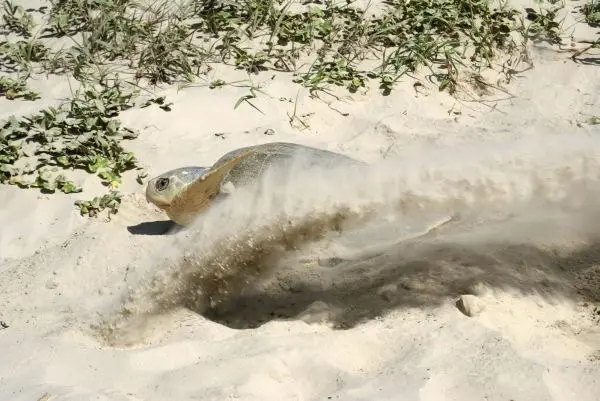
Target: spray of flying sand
{"x":239,"y":240}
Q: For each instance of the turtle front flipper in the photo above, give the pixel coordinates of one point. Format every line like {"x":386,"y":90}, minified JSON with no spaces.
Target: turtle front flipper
{"x":197,"y":196}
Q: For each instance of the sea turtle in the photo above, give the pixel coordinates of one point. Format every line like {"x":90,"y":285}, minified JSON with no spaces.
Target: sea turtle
{"x":185,"y":192}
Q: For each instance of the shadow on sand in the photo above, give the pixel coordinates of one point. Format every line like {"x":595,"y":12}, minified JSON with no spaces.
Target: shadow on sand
{"x":159,"y":227}
{"x":412,"y":276}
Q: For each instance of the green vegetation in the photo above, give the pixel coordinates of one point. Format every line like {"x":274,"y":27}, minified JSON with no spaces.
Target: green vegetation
{"x":14,"y":89}
{"x":82,"y":133}
{"x":591,"y":11}
{"x":114,"y":48}
{"x":110,"y":201}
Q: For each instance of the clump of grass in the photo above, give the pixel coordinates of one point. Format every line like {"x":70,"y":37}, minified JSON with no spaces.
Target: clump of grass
{"x":591,"y":11}
{"x":544,"y":25}
{"x":14,"y":89}
{"x":22,"y":56}
{"x":151,"y":41}
{"x":15,"y":19}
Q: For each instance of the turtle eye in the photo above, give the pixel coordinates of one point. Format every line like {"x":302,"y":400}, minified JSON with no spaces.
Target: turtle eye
{"x":162,"y":183}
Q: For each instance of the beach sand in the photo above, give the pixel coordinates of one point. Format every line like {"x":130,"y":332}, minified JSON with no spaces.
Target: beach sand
{"x":500,"y":304}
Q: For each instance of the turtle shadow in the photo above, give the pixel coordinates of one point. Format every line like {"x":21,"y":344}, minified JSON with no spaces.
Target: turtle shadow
{"x":423,"y":276}
{"x":158,"y":227}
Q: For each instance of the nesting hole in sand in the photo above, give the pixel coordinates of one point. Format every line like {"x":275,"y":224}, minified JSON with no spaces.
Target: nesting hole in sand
{"x":253,"y":278}
{"x":423,"y":275}
{"x":266,"y":282}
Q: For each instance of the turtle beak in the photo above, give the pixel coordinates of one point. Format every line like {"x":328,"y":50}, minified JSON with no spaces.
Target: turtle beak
{"x":149,"y":190}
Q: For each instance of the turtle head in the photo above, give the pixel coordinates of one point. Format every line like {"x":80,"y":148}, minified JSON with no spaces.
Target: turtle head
{"x":184,"y":192}
{"x":165,"y":188}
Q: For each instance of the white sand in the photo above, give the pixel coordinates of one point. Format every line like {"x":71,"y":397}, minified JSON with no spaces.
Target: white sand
{"x":524,"y":176}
